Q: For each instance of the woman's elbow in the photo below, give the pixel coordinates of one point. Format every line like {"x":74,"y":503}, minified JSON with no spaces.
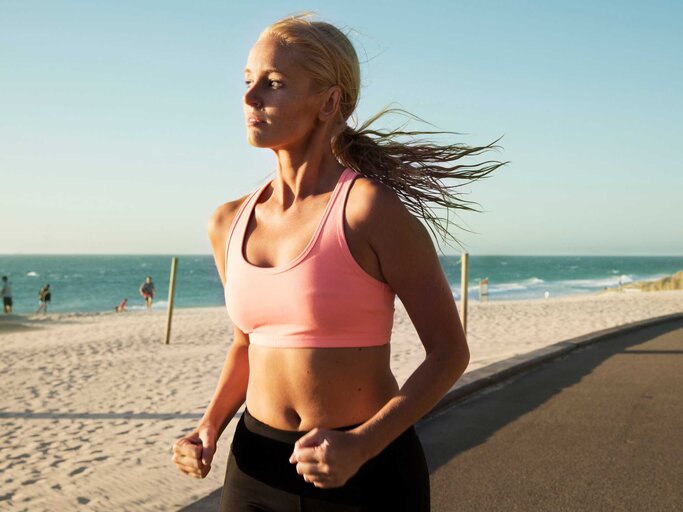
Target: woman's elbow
{"x":454,"y":357}
{"x":458,"y":357}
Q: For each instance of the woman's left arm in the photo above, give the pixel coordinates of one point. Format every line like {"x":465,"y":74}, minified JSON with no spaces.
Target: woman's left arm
{"x":411,"y":266}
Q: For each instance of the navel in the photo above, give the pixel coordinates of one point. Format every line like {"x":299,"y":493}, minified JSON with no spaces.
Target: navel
{"x":291,"y":413}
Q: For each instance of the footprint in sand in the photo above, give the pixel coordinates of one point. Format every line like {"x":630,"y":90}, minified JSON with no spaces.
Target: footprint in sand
{"x":78,"y":471}
{"x":6,"y":497}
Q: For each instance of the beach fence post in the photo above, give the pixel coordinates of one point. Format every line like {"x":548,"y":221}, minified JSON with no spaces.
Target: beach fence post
{"x":171,"y":293}
{"x":463,"y":289}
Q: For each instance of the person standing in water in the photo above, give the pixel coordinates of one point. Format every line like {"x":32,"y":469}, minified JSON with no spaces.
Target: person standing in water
{"x":311,"y":263}
{"x":44,"y":296}
{"x":6,"y":292}
{"x":148,"y":291}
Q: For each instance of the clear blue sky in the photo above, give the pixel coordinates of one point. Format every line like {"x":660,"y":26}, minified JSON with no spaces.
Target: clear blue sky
{"x":121,"y":124}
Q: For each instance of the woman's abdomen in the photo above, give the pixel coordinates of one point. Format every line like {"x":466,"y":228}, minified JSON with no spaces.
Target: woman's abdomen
{"x":303,"y":388}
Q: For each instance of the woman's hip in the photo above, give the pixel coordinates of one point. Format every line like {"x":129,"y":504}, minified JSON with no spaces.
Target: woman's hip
{"x":259,"y":471}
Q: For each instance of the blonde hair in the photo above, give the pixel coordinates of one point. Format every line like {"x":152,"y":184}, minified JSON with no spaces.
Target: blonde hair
{"x":415,"y":169}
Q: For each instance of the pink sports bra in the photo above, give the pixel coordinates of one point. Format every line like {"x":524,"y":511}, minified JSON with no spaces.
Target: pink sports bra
{"x":323,"y":298}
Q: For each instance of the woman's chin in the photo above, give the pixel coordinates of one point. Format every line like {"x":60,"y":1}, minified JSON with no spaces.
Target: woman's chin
{"x":257,"y":142}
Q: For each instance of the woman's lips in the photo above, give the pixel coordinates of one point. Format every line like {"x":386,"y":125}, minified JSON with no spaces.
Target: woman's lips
{"x":253,"y":121}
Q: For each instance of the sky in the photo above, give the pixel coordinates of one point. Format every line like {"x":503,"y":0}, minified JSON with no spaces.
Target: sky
{"x":122,"y":129}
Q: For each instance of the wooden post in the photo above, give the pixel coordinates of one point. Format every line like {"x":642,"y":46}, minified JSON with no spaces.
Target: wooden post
{"x":171,"y":292}
{"x":463,"y":290}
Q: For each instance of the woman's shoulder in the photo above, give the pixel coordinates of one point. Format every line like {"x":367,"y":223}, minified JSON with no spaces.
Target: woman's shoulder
{"x":371,"y":203}
{"x":218,"y":226}
{"x":222,"y":216}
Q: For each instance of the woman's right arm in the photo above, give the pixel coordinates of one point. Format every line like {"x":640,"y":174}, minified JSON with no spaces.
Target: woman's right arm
{"x":231,"y":389}
{"x":193,"y":453}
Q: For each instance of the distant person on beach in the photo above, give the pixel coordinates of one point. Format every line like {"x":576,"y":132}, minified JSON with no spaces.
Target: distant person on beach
{"x":484,"y":289}
{"x":148,"y":291}
{"x":316,"y":258}
{"x":44,"y":297}
{"x":6,"y":292}
{"x":122,"y":306}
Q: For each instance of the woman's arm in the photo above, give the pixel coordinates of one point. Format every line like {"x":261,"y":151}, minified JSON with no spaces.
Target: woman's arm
{"x":410,"y":265}
{"x":231,"y":390}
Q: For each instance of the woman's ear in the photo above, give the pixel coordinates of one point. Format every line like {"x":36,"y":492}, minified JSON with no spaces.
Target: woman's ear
{"x":330,"y":106}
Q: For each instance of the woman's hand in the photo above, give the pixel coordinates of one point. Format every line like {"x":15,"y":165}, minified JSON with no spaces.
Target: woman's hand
{"x":329,"y":458}
{"x":194,"y":452}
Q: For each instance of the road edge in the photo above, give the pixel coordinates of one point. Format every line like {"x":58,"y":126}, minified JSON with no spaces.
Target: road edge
{"x":481,"y":378}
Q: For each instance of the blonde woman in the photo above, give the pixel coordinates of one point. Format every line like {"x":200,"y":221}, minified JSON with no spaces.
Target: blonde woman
{"x":312,"y":261}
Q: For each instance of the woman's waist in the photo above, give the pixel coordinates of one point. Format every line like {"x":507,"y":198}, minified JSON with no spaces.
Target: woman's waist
{"x":301,"y":397}
{"x":304,"y":415}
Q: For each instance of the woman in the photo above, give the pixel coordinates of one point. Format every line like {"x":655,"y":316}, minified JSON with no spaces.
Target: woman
{"x":311,"y":262}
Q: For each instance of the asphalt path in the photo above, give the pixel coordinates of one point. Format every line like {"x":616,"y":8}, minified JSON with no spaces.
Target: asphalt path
{"x":600,"y":428}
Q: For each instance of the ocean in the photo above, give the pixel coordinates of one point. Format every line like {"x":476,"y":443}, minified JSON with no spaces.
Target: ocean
{"x":96,"y":283}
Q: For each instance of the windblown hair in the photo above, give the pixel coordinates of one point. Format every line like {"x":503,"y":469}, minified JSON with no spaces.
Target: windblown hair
{"x":415,"y":169}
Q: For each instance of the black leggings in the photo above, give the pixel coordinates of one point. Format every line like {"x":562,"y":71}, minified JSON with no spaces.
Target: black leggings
{"x":259,"y":476}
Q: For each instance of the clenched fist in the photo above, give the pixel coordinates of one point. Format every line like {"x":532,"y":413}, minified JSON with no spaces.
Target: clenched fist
{"x":194,"y":452}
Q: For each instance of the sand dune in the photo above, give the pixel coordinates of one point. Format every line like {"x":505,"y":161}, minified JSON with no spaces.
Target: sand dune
{"x":673,"y":282}
{"x":91,"y":404}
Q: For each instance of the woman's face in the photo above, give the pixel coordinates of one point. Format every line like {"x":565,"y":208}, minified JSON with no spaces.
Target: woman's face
{"x":278,"y":96}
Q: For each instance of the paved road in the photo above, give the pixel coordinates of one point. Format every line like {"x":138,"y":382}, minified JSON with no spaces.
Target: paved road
{"x":600,"y":428}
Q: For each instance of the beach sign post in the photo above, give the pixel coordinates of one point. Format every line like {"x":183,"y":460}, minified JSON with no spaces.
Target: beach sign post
{"x":171,"y":293}
{"x":463,"y":289}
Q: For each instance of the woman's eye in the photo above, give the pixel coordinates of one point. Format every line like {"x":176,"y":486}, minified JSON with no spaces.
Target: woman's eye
{"x":279,"y":84}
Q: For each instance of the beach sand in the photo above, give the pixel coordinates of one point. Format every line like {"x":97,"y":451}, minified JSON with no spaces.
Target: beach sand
{"x":92,"y":403}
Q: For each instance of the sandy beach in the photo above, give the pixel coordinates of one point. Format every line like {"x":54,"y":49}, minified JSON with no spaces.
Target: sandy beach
{"x":91,"y":403}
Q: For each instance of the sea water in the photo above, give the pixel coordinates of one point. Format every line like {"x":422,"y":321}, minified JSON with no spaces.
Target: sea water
{"x":95,"y":283}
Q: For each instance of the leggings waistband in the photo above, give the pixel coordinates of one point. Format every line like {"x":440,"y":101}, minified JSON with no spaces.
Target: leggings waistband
{"x":285,"y":436}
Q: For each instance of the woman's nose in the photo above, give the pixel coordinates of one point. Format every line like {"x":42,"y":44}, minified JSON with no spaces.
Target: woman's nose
{"x":251,"y":98}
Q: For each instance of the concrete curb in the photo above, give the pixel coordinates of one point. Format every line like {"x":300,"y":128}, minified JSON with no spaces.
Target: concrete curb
{"x":481,"y":378}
